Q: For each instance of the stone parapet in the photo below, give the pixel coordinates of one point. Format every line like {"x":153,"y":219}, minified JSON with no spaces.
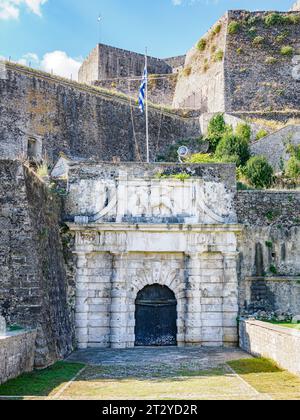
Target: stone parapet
{"x":17,"y":352}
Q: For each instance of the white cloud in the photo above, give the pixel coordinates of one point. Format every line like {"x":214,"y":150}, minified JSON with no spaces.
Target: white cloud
{"x":56,"y":62}
{"x":10,"y":9}
{"x":61,"y":64}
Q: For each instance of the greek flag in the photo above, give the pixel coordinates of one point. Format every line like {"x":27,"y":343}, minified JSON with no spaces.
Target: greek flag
{"x":143,"y":91}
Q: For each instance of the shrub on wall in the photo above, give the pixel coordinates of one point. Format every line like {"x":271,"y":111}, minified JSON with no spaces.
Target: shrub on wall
{"x":219,"y":55}
{"x":233,"y":148}
{"x":202,"y":44}
{"x":217,"y":29}
{"x":258,"y":40}
{"x":233,"y":27}
{"x":202,"y":158}
{"x":261,"y":134}
{"x":274,"y":19}
{"x":187,"y":71}
{"x":287,"y":50}
{"x":271,"y":60}
{"x":259,"y":173}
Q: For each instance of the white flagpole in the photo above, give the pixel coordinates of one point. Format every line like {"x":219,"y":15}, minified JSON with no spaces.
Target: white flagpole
{"x":147,"y":115}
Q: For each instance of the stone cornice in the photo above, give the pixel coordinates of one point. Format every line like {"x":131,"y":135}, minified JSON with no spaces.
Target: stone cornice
{"x":172,"y":228}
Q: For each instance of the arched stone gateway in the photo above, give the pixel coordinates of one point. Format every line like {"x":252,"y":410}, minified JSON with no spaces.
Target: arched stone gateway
{"x":156,"y":317}
{"x":156,"y":258}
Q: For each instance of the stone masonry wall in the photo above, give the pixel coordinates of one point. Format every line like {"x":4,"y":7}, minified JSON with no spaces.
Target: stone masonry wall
{"x":33,"y":286}
{"x":112,"y":62}
{"x":269,"y":251}
{"x":160,"y":88}
{"x":275,"y":146}
{"x":257,"y":76}
{"x":201,"y":83}
{"x":80,"y":120}
{"x":270,"y":341}
{"x":16,"y":354}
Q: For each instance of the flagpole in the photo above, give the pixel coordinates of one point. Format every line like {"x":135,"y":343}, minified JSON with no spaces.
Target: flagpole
{"x":147,"y":115}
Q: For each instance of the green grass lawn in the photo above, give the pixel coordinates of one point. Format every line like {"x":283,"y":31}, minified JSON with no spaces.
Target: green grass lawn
{"x":286,"y":325}
{"x":254,"y":379}
{"x":41,"y":383}
{"x":267,"y":378}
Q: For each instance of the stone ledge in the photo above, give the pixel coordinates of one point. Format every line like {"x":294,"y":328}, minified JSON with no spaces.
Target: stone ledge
{"x":280,"y":344}
{"x":18,"y":346}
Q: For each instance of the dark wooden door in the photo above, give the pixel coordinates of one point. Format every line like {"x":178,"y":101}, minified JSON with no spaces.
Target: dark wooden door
{"x":156,"y":317}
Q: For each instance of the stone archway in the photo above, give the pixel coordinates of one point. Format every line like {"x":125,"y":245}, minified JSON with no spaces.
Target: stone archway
{"x":156,"y":317}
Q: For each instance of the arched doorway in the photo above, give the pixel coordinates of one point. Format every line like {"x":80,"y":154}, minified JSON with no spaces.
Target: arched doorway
{"x":156,"y":317}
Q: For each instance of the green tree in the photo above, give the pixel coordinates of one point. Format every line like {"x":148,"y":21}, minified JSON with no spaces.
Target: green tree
{"x":216,"y":129}
{"x":233,"y":148}
{"x":292,"y":169}
{"x":244,"y":131}
{"x":259,"y":173}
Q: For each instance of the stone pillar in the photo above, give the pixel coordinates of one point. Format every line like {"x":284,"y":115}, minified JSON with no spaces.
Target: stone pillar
{"x":230,"y":299}
{"x":2,"y":326}
{"x":119,"y":308}
{"x":193,"y":324}
{"x":212,"y":298}
{"x":82,"y":307}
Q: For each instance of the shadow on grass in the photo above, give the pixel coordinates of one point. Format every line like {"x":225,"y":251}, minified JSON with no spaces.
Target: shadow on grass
{"x":248,"y":366}
{"x":41,"y":383}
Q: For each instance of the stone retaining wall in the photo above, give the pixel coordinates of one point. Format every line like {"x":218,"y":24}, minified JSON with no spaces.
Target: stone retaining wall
{"x":16,"y":354}
{"x":277,"y":343}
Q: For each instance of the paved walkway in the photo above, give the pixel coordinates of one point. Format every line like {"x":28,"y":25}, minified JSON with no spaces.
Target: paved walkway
{"x":159,"y":373}
{"x":204,"y":358}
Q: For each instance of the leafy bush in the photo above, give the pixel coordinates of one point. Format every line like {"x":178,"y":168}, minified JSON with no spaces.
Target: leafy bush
{"x":244,"y":131}
{"x":202,"y":158}
{"x":219,"y":55}
{"x":292,"y":19}
{"x":258,"y":40}
{"x":292,"y":170}
{"x":261,"y":134}
{"x":259,"y":172}
{"x":287,"y":50}
{"x":233,"y":149}
{"x":233,"y":27}
{"x":281,"y":38}
{"x":202,"y":44}
{"x":252,"y":31}
{"x":271,"y":60}
{"x":274,"y":19}
{"x":216,"y":129}
{"x":217,"y":29}
{"x":187,"y":71}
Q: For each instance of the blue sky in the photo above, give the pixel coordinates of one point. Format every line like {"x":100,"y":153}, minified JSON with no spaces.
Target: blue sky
{"x":58,"y":34}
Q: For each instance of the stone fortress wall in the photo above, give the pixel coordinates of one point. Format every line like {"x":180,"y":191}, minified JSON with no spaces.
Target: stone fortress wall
{"x":257,"y":76}
{"x":160,"y":89}
{"x":253,"y":74}
{"x":107,"y":62}
{"x":275,"y":147}
{"x":33,"y":279}
{"x":269,"y":247}
{"x":64,"y":117}
{"x":201,"y":83}
{"x":241,"y":246}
